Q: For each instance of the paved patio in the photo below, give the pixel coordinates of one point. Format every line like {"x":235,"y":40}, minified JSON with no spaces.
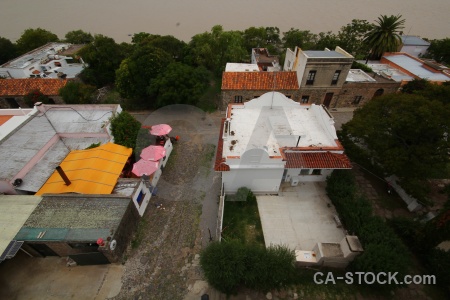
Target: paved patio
{"x":300,"y":217}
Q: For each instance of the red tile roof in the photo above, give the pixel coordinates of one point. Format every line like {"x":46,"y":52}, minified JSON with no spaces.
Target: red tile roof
{"x":259,"y":81}
{"x":21,"y":87}
{"x":219,"y":164}
{"x":316,"y":160}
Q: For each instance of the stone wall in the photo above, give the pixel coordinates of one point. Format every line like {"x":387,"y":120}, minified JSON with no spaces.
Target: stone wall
{"x":317,"y":95}
{"x":20,"y":101}
{"x":123,"y":235}
{"x":366,"y":90}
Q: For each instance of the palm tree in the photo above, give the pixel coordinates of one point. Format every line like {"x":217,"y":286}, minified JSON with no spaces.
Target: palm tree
{"x":384,"y":36}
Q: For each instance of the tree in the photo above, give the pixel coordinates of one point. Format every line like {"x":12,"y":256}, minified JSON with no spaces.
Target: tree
{"x":34,"y":38}
{"x":75,"y":92}
{"x":179,"y":83}
{"x":214,"y":49}
{"x":351,"y":37}
{"x":125,"y":128}
{"x":103,"y":56}
{"x":406,"y":134}
{"x":78,"y":37}
{"x":439,"y":50}
{"x":415,"y":86}
{"x":168,"y":43}
{"x":8,"y":50}
{"x":384,"y":36}
{"x":302,"y":39}
{"x":35,"y":96}
{"x":136,"y":72}
{"x":326,"y":40}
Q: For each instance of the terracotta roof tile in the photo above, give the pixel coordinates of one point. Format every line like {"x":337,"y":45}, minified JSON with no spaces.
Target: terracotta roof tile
{"x":21,"y":87}
{"x":317,"y":160}
{"x":259,"y":81}
{"x":219,"y":164}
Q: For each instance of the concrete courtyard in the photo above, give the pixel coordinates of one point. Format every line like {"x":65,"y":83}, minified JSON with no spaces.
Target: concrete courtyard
{"x":300,"y":217}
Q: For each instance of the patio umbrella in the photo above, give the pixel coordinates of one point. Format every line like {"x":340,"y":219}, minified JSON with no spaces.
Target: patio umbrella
{"x":153,"y":153}
{"x":145,"y":167}
{"x":160,"y":129}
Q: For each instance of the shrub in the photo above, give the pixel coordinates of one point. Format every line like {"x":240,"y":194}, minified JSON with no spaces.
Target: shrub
{"x":125,"y":128}
{"x":35,"y":96}
{"x":231,"y":264}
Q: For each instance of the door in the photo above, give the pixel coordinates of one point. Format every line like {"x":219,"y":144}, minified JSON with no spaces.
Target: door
{"x":327,"y":100}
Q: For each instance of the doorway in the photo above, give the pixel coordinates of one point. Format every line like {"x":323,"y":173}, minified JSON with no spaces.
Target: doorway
{"x":327,"y":100}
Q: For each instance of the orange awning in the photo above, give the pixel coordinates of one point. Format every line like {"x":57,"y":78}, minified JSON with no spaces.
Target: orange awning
{"x":92,"y":171}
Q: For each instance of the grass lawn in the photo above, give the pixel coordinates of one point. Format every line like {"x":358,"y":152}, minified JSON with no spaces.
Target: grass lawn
{"x":241,"y":221}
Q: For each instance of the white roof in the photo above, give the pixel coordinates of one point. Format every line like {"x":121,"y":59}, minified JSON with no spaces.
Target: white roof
{"x":357,"y":75}
{"x":38,"y":146}
{"x":389,"y":72}
{"x":14,"y":212}
{"x":273,"y":121}
{"x":235,"y":67}
{"x":18,"y":116}
{"x":416,"y":67}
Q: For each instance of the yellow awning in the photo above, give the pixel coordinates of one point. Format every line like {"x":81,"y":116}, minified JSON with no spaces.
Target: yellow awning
{"x":92,"y":171}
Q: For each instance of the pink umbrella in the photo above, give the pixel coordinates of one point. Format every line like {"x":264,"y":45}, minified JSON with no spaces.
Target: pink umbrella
{"x":145,"y":167}
{"x":153,"y":153}
{"x":160,"y":129}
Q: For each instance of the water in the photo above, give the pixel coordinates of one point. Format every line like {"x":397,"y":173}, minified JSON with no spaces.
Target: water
{"x":183,"y":19}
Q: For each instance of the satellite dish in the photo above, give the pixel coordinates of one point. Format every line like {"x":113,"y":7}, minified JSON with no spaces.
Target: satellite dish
{"x":113,"y":245}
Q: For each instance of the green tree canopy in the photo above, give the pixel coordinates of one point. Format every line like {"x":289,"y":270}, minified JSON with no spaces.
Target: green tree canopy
{"x":34,"y":38}
{"x":125,"y":128}
{"x":351,"y":37}
{"x":8,"y":50}
{"x":179,"y":83}
{"x":75,"y":92}
{"x":326,"y":40}
{"x":304,"y":39}
{"x":78,"y":37}
{"x":406,"y":134}
{"x":168,"y":43}
{"x":439,"y":50}
{"x":137,"y":71}
{"x":214,"y":49}
{"x":384,"y":35}
{"x":103,"y":56}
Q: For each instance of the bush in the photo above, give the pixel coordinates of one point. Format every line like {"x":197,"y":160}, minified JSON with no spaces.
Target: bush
{"x":383,"y":250}
{"x":438,"y":262}
{"x":125,"y":128}
{"x":231,"y":264}
{"x":35,"y":96}
{"x":75,"y":92}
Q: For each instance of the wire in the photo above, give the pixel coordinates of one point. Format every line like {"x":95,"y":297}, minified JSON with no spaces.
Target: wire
{"x":93,"y":120}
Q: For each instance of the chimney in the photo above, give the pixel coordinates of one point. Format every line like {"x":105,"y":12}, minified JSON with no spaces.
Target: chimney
{"x":63,"y":175}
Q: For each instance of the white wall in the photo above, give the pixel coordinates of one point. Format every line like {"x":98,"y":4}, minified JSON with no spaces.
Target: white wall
{"x":295,"y":174}
{"x":289,"y":60}
{"x":257,"y":180}
{"x":141,"y":208}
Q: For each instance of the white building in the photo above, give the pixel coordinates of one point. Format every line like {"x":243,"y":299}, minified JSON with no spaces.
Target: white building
{"x":48,"y":61}
{"x":414,"y":45}
{"x":273,"y":139}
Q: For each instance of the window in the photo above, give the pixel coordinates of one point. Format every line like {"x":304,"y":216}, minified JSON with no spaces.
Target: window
{"x":357,"y":99}
{"x":378,"y":93}
{"x":317,"y":172}
{"x":237,"y":99}
{"x":336,"y":77}
{"x":305,"y":100}
{"x":304,"y":172}
{"x":310,"y":78}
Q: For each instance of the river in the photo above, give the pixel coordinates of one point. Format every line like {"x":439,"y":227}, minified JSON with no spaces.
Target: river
{"x":183,"y":19}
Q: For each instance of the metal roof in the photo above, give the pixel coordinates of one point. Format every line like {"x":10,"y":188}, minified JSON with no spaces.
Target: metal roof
{"x":14,"y":212}
{"x":92,"y":171}
{"x":412,"y":40}
{"x":324,"y":54}
{"x":74,"y":218}
{"x":416,"y":67}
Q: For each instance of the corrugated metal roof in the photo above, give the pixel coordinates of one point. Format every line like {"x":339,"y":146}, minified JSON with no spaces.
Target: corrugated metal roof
{"x":92,"y":171}
{"x":14,"y":212}
{"x":74,"y":218}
